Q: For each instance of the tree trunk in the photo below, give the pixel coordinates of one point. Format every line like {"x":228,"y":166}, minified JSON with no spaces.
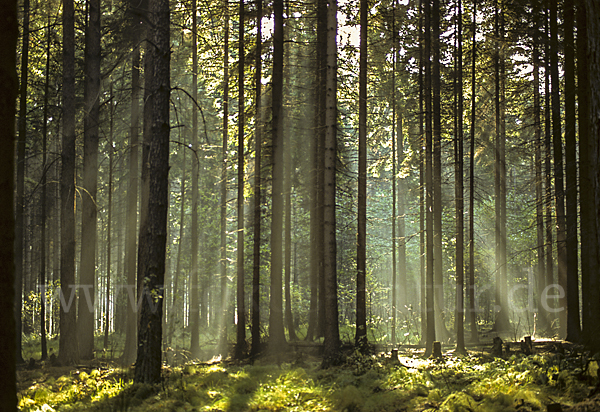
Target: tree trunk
{"x":431,"y":330}
{"x":153,"y":228}
{"x":360,"y":339}
{"x":572,"y":282}
{"x":91,"y":120}
{"x":422,"y":167}
{"x":20,"y":171}
{"x":223,"y":206}
{"x":331,"y":343}
{"x":548,"y":171}
{"x":240,"y":347}
{"x":502,"y":323}
{"x":68,"y":351}
{"x":109,"y":219}
{"x":289,"y":166}
{"x":471,"y":288}
{"x":593,"y":35}
{"x":9,"y":87}
{"x":276,"y":331}
{"x":139,"y":29}
{"x":440,"y":327}
{"x":589,"y":243}
{"x":257,"y":187}
{"x":194,"y":303}
{"x":459,"y":191}
{"x":559,"y":190}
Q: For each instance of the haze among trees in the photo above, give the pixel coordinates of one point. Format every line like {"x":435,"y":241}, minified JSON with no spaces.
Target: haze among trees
{"x":241,"y":180}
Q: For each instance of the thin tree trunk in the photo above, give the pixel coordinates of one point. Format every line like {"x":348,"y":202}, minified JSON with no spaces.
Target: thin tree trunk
{"x":194,"y":303}
{"x":360,"y":339}
{"x":548,"y":170}
{"x":459,"y":191}
{"x":85,"y":312}
{"x":471,"y":287}
{"x":572,"y":281}
{"x":422,"y":167}
{"x":332,"y":337}
{"x":109,"y":219}
{"x":68,"y":351}
{"x":559,"y":190}
{"x":289,"y":318}
{"x":276,"y":331}
{"x":20,"y":172}
{"x":257,"y":187}
{"x":240,"y":347}
{"x":223,"y":206}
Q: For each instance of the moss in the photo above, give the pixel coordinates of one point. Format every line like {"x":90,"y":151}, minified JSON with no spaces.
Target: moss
{"x":350,"y":399}
{"x":458,"y":402}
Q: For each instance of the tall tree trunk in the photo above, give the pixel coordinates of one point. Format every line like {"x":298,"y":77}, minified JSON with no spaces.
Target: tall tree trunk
{"x":91,"y":120}
{"x":44,"y":200}
{"x":471,"y":287}
{"x":593,"y":37}
{"x":153,"y":227}
{"x":539,"y":184}
{"x":559,"y":190}
{"x":68,"y":351}
{"x":255,"y":349}
{"x":502,"y":319}
{"x":194,"y":303}
{"x":276,"y":331}
{"x":440,"y":327}
{"x":289,"y":166}
{"x":223,"y":206}
{"x":548,"y":170}
{"x":589,"y":243}
{"x":459,"y":190}
{"x":9,"y":87}
{"x":572,"y":282}
{"x":360,"y":339}
{"x":431,"y":330}
{"x":332,"y":336}
{"x":422,"y":167}
{"x":109,"y":218}
{"x":139,"y":28}
{"x":240,"y":347}
{"x":20,"y":171}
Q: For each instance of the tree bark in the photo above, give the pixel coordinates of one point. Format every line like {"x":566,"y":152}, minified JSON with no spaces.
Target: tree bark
{"x":360,"y":339}
{"x":68,"y":351}
{"x":9,"y":87}
{"x":153,"y":228}
{"x":559,"y":190}
{"x":331,"y":343}
{"x":276,"y":331}
{"x":240,"y":347}
{"x":255,"y":349}
{"x":572,"y":281}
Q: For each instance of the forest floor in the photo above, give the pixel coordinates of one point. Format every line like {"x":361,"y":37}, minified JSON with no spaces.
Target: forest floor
{"x":558,"y":376}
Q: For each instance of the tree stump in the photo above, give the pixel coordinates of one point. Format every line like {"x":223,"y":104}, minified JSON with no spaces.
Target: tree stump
{"x":395,"y":355}
{"x":527,"y":346}
{"x":437,"y":350}
{"x":497,"y":347}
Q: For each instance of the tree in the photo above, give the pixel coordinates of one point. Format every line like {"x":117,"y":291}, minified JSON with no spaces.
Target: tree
{"x":572,"y":281}
{"x":19,"y":224}
{"x":194,"y":304}
{"x":593,"y":38}
{"x":240,"y":347}
{"x":331,"y":343}
{"x":9,"y":87}
{"x":502,"y":322}
{"x":276,"y":331}
{"x":360,"y":339}
{"x":68,"y":350}
{"x":255,"y":349}
{"x":459,"y":189}
{"x":153,"y":226}
{"x":558,"y":169}
{"x":91,"y":120}
{"x":138,"y":12}
{"x":471,"y":287}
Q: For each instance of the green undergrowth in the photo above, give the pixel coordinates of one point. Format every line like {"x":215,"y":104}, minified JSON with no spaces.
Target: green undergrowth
{"x":362,"y":383}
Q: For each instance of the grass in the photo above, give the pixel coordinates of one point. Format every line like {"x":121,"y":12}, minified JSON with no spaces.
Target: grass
{"x":362,"y":383}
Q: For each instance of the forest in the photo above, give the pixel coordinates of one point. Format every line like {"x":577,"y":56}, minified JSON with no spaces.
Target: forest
{"x":300,"y":205}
